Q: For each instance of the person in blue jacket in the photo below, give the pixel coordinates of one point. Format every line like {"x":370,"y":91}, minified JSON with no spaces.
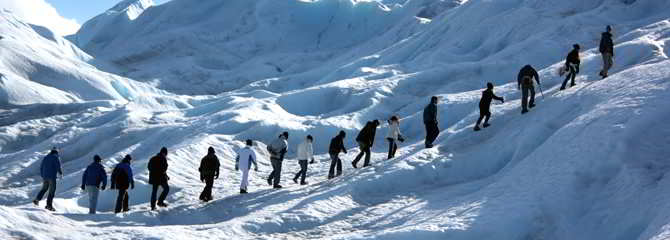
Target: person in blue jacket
{"x":90,"y":182}
{"x":49,"y":170}
{"x":122,"y":179}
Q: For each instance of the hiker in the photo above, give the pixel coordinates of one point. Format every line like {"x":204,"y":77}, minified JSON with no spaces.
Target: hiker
{"x":90,"y":182}
{"x":485,"y":104}
{"x":430,"y":120}
{"x":245,"y":157}
{"x":394,"y":136}
{"x":305,"y":153}
{"x":209,"y":170}
{"x":366,"y":139}
{"x":525,"y":84}
{"x":158,"y":166}
{"x":49,"y":170}
{"x":572,"y":65}
{"x":277,"y":151}
{"x":122,"y":179}
{"x":607,"y":51}
{"x":336,"y":146}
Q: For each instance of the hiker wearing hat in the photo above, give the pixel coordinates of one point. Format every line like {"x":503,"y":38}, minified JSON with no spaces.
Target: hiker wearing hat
{"x":366,"y":139}
{"x":572,"y":64}
{"x":277,"y":151}
{"x":209,"y":170}
{"x":607,"y":51}
{"x":122,"y":179}
{"x":49,"y":170}
{"x":93,"y":176}
{"x":158,"y":166}
{"x":485,"y":106}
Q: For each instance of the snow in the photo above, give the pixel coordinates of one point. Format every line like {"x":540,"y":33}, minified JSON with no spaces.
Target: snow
{"x":587,"y":163}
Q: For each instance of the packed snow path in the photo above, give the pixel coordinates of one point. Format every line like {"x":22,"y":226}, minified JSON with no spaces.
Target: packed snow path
{"x":586,"y":163}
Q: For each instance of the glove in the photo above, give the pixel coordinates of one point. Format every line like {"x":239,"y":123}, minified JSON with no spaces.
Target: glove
{"x":83,"y":187}
{"x":216,"y":176}
{"x":132,"y":186}
{"x":256,"y":169}
{"x":401,"y":139}
{"x":312,"y":162}
{"x":502,"y":100}
{"x":103,"y":187}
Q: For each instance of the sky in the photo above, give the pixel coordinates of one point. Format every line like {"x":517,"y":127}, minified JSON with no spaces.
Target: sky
{"x":64,"y":17}
{"x":83,"y":10}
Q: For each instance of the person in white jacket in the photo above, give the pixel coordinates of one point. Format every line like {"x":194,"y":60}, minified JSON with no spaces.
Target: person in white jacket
{"x":245,"y":157}
{"x":305,"y":153}
{"x":394,"y":136}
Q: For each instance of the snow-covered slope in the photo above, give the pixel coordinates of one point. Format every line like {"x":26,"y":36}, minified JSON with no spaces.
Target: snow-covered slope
{"x":214,"y":46}
{"x":37,"y":66}
{"x":587,"y":163}
{"x":119,"y":17}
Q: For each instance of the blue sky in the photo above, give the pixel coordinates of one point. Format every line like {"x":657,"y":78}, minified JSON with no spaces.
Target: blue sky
{"x":83,"y":10}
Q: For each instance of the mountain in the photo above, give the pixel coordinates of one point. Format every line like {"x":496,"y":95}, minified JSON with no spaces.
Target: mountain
{"x":588,"y":162}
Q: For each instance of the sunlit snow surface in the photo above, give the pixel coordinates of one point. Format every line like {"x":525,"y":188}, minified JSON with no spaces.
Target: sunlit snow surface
{"x":589,"y":162}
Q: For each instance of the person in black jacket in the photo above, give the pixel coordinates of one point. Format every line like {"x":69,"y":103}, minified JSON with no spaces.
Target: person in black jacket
{"x":366,"y":139}
{"x":572,"y":64}
{"x":485,"y":104}
{"x":122,"y":179}
{"x":607,"y":51}
{"x":430,"y":121}
{"x":525,"y":84}
{"x":336,"y":146}
{"x":158,"y":177}
{"x":209,"y":170}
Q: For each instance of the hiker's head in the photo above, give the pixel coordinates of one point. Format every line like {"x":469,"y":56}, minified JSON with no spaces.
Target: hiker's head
{"x":249,"y":142}
{"x":310,"y":138}
{"x":127,"y":158}
{"x":434,"y":100}
{"x":342,"y":134}
{"x":489,"y":85}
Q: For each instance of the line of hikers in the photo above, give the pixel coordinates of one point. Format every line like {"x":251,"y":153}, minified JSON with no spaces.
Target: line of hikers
{"x":94,"y":178}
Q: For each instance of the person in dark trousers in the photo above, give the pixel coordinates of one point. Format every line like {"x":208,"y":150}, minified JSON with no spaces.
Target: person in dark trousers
{"x":209,"y":170}
{"x":394,"y":136}
{"x":49,"y":170}
{"x":430,"y":121}
{"x":93,"y":176}
{"x":607,"y":51}
{"x":158,"y":166}
{"x":277,"y":151}
{"x":525,"y":84}
{"x":366,"y":139}
{"x":572,"y":63}
{"x":245,"y":158}
{"x":305,"y":153}
{"x":122,"y":179}
{"x":336,"y":146}
{"x":485,"y":105}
